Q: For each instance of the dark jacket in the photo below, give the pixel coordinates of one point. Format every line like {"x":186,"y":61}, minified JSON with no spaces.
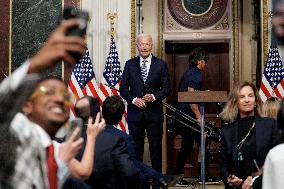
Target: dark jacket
{"x":157,"y":83}
{"x":113,"y":166}
{"x":266,"y":138}
{"x":144,"y":169}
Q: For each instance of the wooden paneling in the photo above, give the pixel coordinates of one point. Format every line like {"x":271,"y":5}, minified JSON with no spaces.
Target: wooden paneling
{"x":4,"y":38}
{"x":216,"y":77}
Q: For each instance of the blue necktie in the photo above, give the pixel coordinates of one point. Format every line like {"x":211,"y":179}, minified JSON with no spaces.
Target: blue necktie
{"x":144,"y":70}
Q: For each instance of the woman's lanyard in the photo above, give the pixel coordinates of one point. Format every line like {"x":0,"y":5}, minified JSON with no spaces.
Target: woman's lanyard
{"x":240,"y":144}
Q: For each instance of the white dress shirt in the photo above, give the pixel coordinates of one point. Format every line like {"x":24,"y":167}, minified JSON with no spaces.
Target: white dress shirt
{"x":31,"y":168}
{"x":148,"y":65}
{"x":148,"y":62}
{"x":273,"y":170}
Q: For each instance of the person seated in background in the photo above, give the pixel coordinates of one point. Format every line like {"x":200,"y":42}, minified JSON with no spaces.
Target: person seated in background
{"x":113,"y":108}
{"x":271,"y":107}
{"x":246,"y":138}
{"x":36,"y":163}
{"x":273,"y":170}
{"x":113,"y":167}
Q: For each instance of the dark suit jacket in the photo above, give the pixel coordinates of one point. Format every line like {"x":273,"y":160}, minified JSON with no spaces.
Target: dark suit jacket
{"x":113,"y":167}
{"x":157,"y":83}
{"x":266,"y":138}
{"x":147,"y":171}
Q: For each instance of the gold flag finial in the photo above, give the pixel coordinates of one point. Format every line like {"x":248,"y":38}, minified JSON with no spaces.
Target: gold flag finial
{"x":112,"y":17}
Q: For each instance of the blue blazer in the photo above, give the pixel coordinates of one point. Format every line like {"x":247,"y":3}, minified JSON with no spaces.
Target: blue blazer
{"x":144,"y":169}
{"x":157,"y":83}
{"x":113,"y":166}
{"x":266,"y":138}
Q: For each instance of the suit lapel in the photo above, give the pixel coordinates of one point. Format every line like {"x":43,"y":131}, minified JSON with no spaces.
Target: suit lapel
{"x":152,"y":69}
{"x":137,"y":65}
{"x":259,"y":135}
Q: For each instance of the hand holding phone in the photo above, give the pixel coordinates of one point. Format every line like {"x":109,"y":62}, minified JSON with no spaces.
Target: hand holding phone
{"x":82,"y":16}
{"x":95,"y":127}
{"x":79,"y":30}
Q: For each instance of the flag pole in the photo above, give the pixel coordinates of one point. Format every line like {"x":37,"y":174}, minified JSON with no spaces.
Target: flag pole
{"x":112,"y":17}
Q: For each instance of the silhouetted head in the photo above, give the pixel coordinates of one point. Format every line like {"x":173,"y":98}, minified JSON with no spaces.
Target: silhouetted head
{"x":198,"y":57}
{"x":113,"y":109}
{"x":87,"y":106}
{"x":271,"y":107}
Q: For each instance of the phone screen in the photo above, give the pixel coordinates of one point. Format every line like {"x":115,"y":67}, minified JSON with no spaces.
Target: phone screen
{"x":77,"y":122}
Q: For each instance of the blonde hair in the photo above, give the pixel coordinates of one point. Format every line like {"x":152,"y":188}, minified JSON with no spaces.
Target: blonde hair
{"x":270,"y":107}
{"x":230,"y":111}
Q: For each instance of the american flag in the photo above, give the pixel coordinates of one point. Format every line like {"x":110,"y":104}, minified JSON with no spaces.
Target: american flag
{"x":272,"y":84}
{"x":110,"y":81}
{"x":83,"y":80}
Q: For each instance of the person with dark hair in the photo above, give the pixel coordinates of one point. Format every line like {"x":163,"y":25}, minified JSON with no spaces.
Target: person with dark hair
{"x":112,"y":110}
{"x":190,"y":81}
{"x":145,"y":83}
{"x":39,"y":163}
{"x":113,"y":167}
{"x":47,"y":110}
{"x":246,"y":138}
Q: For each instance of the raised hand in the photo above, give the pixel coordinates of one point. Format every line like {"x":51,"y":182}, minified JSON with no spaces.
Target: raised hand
{"x":69,"y":149}
{"x":58,"y":48}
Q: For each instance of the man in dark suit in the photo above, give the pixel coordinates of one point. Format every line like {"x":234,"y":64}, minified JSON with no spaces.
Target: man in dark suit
{"x":113,"y":167}
{"x":113,"y":109}
{"x":145,"y":83}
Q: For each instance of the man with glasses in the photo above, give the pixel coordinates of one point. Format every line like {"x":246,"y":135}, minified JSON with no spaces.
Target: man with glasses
{"x":40,"y":163}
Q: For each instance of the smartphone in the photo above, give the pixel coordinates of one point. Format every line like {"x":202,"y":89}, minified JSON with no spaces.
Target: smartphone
{"x":73,"y":124}
{"x":94,"y":108}
{"x":83,"y":16}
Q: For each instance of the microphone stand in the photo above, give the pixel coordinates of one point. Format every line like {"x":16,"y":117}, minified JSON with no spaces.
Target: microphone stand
{"x":209,"y":132}
{"x":202,"y":145}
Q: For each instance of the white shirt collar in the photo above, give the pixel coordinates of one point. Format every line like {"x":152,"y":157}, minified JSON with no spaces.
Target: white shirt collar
{"x":149,"y":58}
{"x":44,"y":137}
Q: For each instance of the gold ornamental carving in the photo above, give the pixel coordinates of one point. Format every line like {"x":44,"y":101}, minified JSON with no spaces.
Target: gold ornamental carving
{"x":235,"y":66}
{"x":133,"y":28}
{"x":171,"y":24}
{"x":265,"y":33}
{"x":223,"y":25}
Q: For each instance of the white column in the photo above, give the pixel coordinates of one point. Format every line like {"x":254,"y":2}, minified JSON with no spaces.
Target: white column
{"x":99,"y":31}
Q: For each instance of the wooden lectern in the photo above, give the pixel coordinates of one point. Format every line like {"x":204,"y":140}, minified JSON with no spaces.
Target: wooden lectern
{"x":202,"y":97}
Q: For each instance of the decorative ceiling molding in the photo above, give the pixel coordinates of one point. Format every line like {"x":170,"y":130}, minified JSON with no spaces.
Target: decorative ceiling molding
{"x":223,"y":25}
{"x":195,"y":14}
{"x":171,"y":24}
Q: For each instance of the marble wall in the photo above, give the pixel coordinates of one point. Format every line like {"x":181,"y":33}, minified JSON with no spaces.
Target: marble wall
{"x":25,"y":26}
{"x":32,"y":22}
{"x":4,"y":38}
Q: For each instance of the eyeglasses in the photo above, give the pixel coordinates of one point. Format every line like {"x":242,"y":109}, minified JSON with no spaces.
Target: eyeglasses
{"x":144,"y":44}
{"x":51,"y":92}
